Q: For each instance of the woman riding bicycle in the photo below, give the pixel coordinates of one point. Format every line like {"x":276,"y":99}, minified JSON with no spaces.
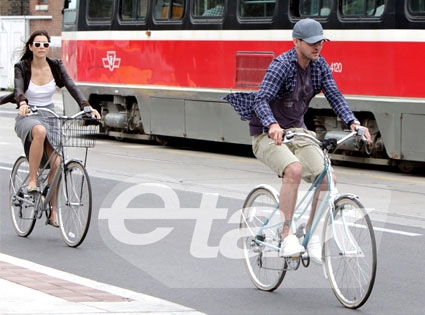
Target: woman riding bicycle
{"x":36,"y":79}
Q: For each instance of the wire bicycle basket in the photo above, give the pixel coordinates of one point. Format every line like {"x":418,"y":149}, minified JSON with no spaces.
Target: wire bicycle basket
{"x":77,"y":132}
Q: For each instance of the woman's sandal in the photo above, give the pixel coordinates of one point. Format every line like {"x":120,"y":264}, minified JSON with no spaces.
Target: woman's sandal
{"x":34,"y":189}
{"x":52,"y":223}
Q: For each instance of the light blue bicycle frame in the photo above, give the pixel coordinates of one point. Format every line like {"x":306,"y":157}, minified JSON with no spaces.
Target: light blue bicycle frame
{"x":327,"y":202}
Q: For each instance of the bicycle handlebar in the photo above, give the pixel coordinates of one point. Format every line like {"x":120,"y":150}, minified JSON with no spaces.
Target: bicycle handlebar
{"x":328,"y":143}
{"x":86,"y":111}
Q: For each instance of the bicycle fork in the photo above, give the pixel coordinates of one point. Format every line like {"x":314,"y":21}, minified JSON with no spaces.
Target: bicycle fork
{"x":343,"y":248}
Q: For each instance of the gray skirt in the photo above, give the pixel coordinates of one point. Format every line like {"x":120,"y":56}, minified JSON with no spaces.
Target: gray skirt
{"x":24,"y":125}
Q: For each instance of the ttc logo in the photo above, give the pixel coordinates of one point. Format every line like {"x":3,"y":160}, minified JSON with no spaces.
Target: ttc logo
{"x":111,"y":61}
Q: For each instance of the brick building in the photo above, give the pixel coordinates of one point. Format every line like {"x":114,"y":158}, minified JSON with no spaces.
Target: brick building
{"x":17,"y":7}
{"x":40,"y":14}
{"x":18,"y":19}
{"x":47,"y":14}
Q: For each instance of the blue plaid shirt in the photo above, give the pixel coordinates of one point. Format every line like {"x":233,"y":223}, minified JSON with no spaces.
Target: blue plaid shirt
{"x":280,"y":80}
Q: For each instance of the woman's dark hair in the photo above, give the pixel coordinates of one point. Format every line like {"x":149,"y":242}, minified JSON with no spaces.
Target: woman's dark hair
{"x":27,"y":53}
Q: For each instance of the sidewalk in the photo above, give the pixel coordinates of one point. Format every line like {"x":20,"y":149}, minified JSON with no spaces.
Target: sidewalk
{"x":28,"y":288}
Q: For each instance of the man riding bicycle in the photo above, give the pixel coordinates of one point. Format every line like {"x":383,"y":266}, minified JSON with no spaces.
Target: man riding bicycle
{"x":291,"y":81}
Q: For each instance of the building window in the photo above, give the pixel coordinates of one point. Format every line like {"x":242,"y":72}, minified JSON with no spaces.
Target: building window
{"x":42,"y":5}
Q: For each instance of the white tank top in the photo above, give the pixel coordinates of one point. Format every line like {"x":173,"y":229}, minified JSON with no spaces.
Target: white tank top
{"x":40,"y":95}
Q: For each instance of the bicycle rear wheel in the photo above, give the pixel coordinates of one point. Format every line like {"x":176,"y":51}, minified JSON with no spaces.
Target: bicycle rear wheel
{"x":349,"y":252}
{"x":74,"y":203}
{"x":265,"y":268}
{"x":21,"y":203}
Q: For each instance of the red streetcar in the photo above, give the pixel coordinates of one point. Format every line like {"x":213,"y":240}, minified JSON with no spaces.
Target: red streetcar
{"x":158,"y":68}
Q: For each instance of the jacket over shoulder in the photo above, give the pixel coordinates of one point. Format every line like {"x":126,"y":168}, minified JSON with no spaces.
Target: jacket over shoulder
{"x":62,"y":79}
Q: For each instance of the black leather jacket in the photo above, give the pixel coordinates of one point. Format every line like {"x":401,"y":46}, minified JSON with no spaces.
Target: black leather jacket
{"x":62,"y":79}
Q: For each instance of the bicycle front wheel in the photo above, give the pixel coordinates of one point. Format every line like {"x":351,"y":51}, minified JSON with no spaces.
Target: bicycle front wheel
{"x":349,"y":252}
{"x":22,"y":208}
{"x":265,"y":268}
{"x":74,"y":203}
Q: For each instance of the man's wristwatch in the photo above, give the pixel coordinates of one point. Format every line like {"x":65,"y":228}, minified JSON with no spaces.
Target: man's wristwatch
{"x":355,"y":121}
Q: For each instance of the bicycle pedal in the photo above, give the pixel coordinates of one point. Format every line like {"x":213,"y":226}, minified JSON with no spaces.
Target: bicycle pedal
{"x":305,"y":259}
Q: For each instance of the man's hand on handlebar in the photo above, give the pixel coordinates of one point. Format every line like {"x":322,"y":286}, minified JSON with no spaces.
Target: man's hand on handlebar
{"x":276,"y":133}
{"x":362,"y":131}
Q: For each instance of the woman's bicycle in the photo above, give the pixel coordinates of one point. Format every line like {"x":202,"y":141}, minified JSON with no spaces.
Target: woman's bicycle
{"x":70,"y":183}
{"x":348,"y":241}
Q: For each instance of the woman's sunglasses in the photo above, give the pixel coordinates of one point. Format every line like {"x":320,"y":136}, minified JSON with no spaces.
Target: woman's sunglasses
{"x":38,"y":44}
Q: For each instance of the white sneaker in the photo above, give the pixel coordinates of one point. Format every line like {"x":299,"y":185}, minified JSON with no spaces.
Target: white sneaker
{"x":314,"y":249}
{"x":291,"y":247}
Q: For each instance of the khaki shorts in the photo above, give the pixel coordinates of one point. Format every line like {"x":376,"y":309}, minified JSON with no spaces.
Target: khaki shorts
{"x":299,"y":150}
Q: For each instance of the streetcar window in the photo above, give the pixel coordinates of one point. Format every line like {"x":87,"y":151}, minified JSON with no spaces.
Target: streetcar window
{"x":416,"y":7}
{"x":208,"y":8}
{"x":363,"y":8}
{"x":133,"y":10}
{"x":256,"y":8}
{"x":315,"y":8}
{"x":100,"y":9}
{"x":169,"y":9}
{"x":69,"y":11}
{"x":70,"y":4}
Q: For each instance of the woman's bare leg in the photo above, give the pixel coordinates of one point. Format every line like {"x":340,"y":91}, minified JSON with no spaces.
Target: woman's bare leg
{"x":38,"y":133}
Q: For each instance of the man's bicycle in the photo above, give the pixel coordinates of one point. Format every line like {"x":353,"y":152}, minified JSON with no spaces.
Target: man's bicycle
{"x":348,"y":241}
{"x":70,"y":183}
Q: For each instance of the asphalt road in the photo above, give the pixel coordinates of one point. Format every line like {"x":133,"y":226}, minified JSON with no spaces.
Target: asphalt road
{"x":165,"y":224}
